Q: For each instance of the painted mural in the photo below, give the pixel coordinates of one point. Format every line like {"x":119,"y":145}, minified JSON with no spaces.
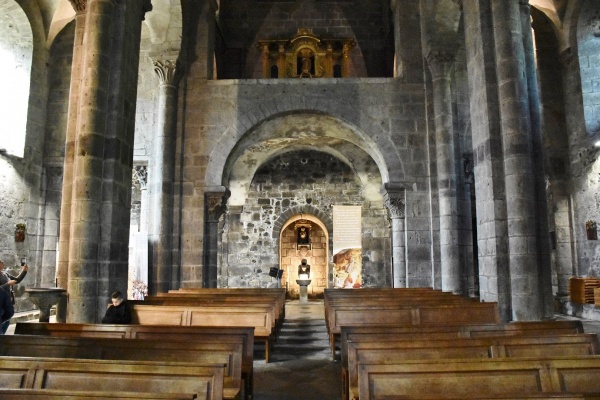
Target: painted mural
{"x":347,"y":272}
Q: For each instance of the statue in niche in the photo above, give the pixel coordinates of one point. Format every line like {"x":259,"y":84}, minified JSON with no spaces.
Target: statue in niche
{"x":304,"y":269}
{"x":303,"y":235}
{"x":305,"y":56}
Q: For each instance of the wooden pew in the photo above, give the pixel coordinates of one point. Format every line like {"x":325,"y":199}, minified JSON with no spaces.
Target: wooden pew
{"x":476,"y":379}
{"x":164,"y":333}
{"x":395,"y":333}
{"x":111,"y":376}
{"x":536,"y":396}
{"x":48,"y":394}
{"x":410,"y":315}
{"x":372,"y":352}
{"x":184,"y":315}
{"x":276,"y":308}
{"x":194,"y":353}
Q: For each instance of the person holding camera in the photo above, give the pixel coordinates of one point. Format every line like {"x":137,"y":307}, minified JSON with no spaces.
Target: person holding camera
{"x":7,"y":281}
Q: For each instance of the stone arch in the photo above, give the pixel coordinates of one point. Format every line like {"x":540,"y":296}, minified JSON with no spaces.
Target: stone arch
{"x":365,"y":130}
{"x":243,"y":153}
{"x":303,"y":209}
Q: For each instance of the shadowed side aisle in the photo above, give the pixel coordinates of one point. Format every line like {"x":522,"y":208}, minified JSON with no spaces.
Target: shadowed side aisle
{"x":300,"y":366}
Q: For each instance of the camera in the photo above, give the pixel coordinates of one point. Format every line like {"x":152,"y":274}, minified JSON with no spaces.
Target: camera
{"x":23,"y":261}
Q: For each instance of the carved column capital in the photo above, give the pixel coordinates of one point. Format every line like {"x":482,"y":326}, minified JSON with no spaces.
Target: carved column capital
{"x":140,"y":176}
{"x":395,"y":200}
{"x":79,"y":5}
{"x":440,"y":63}
{"x":216,"y":203}
{"x":167,"y":71}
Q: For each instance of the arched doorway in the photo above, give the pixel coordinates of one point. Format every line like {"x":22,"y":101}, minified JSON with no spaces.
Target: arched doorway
{"x":304,"y":237}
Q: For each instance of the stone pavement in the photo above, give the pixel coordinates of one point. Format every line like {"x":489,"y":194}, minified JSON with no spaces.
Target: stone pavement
{"x":300,"y":366}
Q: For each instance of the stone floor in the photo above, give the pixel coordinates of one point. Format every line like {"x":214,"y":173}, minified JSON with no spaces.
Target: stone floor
{"x":301,"y":365}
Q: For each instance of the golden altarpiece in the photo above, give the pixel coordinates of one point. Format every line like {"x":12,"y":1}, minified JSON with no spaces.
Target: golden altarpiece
{"x":306,"y":56}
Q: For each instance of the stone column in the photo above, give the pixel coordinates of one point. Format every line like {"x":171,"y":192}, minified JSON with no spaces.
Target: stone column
{"x":395,"y":201}
{"x":407,"y":25}
{"x":88,"y":160}
{"x":518,"y":165}
{"x":539,"y":173}
{"x":215,"y":205}
{"x":62,"y":269}
{"x":566,"y":258}
{"x":440,"y":64}
{"x":102,"y":131}
{"x":162,"y":177}
{"x":488,"y":168}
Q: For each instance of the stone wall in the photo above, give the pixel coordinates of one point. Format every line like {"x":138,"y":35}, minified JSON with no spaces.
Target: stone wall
{"x":302,"y":180}
{"x":384,"y":117}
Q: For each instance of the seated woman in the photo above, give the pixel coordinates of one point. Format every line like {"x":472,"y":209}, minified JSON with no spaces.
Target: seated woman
{"x":117,"y":312}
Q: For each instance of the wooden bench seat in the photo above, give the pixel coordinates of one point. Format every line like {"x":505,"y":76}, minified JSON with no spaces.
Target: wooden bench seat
{"x":410,"y":315}
{"x":111,"y":376}
{"x":372,"y":352}
{"x":229,"y":354}
{"x":48,"y":394}
{"x":481,"y":378}
{"x":536,"y":396}
{"x":184,"y":315}
{"x":276,"y":310}
{"x":163,"y":333}
{"x":394,"y":333}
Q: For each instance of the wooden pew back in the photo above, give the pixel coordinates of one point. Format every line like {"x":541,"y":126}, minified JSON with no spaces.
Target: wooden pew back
{"x":462,"y":379}
{"x":111,"y":376}
{"x":163,"y":333}
{"x":372,"y":352}
{"x":48,"y":394}
{"x":196,"y":353}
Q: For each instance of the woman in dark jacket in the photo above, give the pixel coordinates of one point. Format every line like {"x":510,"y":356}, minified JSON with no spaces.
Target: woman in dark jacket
{"x":117,"y":312}
{"x":7,"y":281}
{"x":6,"y":308}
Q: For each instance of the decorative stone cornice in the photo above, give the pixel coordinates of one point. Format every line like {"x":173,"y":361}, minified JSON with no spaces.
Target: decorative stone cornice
{"x":79,"y":5}
{"x":166,"y":71}
{"x":395,"y":201}
{"x":216,"y":204}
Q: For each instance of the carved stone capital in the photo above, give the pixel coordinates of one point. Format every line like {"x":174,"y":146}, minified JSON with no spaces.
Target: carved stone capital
{"x":166,"y":71}
{"x":216,"y":204}
{"x":140,"y":176}
{"x":440,"y":63}
{"x":79,"y":5}
{"x":395,"y":201}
